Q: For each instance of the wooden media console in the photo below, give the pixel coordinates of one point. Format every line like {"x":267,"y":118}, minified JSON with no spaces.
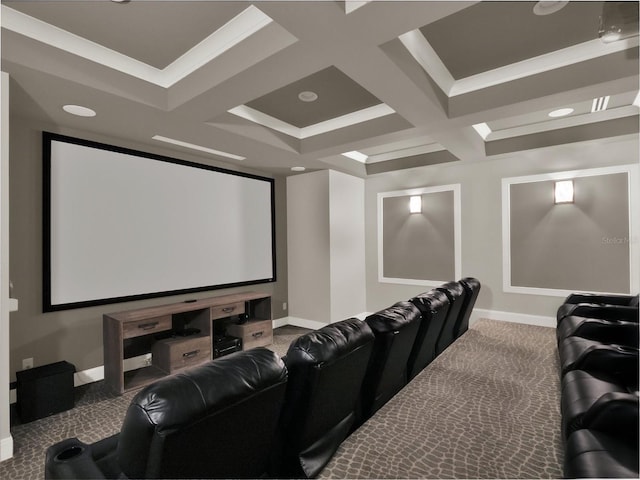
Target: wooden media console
{"x":179,"y":335}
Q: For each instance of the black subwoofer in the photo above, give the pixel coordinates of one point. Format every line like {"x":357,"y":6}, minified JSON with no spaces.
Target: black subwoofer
{"x":44,"y":391}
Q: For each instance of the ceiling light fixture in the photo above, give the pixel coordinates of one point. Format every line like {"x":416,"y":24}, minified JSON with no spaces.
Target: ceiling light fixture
{"x":547,"y":7}
{"x":619,"y":20}
{"x":298,"y":169}
{"x":308,"y":96}
{"x":561,"y":112}
{"x":200,"y":148}
{"x":600,"y":104}
{"x":563,"y":191}
{"x":355,"y":155}
{"x":79,"y":111}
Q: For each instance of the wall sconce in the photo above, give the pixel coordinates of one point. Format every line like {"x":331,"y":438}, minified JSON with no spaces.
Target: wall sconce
{"x":415,"y":204}
{"x":564,"y":191}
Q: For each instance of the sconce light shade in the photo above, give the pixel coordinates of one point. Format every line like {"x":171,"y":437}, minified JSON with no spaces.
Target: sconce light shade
{"x":564,"y":191}
{"x":415,"y":204}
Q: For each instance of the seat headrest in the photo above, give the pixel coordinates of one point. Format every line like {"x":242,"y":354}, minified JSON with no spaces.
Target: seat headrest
{"x":181,"y":399}
{"x":634,"y":301}
{"x":431,"y":301}
{"x":452,"y":289}
{"x":393,"y":318}
{"x":471,"y":283}
{"x":330,"y":342}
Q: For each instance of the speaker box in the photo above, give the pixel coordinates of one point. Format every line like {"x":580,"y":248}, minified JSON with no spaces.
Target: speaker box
{"x":44,"y":391}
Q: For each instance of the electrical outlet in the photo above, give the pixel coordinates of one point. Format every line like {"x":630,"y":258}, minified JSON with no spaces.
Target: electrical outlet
{"x":284,"y":305}
{"x":27,"y":363}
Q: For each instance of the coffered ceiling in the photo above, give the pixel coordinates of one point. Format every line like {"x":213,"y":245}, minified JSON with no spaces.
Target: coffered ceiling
{"x":272,"y":85}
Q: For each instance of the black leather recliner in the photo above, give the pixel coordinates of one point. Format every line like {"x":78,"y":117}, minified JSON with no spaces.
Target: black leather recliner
{"x":584,"y":393}
{"x":472,"y":289}
{"x":395,"y":329}
{"x":326,"y":370}
{"x":627,"y":313}
{"x":433,"y":306}
{"x":217,"y":420}
{"x":577,"y":353}
{"x":605,"y":331}
{"x":607,"y":444}
{"x":456,"y":295}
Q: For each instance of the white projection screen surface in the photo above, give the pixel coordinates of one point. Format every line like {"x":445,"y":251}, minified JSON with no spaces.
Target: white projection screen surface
{"x":121,"y":225}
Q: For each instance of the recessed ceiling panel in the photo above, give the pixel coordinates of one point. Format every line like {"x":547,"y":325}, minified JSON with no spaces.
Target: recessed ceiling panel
{"x":151,"y":32}
{"x":337,"y":95}
{"x":489,"y":35}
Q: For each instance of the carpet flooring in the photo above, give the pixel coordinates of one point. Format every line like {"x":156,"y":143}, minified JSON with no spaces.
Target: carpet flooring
{"x":487,"y":407}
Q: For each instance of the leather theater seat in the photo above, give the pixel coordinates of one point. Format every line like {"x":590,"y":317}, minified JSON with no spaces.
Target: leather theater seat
{"x":456,"y":295}
{"x":607,"y":444}
{"x":595,"y":453}
{"x":395,"y":329}
{"x":217,"y":420}
{"x":433,"y":306}
{"x":326,"y":370}
{"x":584,"y":393}
{"x":472,"y":289}
{"x":627,"y":313}
{"x":605,"y":331}
{"x":578,"y":353}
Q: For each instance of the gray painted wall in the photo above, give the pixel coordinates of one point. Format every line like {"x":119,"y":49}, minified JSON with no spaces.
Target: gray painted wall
{"x":571,"y":246}
{"x":482,"y":216}
{"x":419,"y":245}
{"x":76,"y":335}
{"x":308,"y":246}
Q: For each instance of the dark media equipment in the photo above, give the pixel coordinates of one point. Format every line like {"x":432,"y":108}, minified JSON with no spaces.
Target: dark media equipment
{"x":224,"y":345}
{"x":45,"y":390}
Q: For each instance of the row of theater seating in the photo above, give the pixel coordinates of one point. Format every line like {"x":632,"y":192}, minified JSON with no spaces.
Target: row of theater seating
{"x":252,"y":414}
{"x":598,"y":349}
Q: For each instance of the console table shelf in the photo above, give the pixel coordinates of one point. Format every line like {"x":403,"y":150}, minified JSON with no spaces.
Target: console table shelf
{"x":164,"y":339}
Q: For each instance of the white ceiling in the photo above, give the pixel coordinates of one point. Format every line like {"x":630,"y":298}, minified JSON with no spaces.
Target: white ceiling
{"x":188,"y":70}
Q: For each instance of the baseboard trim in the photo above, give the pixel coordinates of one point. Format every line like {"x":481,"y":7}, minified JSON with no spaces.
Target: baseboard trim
{"x":524,"y":318}
{"x":6,"y":448}
{"x":304,"y":323}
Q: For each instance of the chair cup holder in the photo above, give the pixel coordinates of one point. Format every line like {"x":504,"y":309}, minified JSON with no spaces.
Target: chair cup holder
{"x":69,"y":453}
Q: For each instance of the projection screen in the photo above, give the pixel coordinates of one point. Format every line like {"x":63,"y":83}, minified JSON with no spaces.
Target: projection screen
{"x":121,"y":225}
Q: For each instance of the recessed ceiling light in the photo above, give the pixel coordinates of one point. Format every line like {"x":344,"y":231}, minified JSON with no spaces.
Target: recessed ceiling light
{"x":600,"y":104}
{"x":547,"y":7}
{"x":193,"y":146}
{"x":561,"y":112}
{"x":354,"y":155}
{"x":308,"y":96}
{"x":79,"y":110}
{"x":298,"y":169}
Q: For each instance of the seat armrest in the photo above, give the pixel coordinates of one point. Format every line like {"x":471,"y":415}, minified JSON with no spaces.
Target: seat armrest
{"x":615,"y":413}
{"x":71,"y":459}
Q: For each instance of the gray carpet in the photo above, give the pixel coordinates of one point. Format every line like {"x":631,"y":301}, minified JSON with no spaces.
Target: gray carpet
{"x":486,"y":408}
